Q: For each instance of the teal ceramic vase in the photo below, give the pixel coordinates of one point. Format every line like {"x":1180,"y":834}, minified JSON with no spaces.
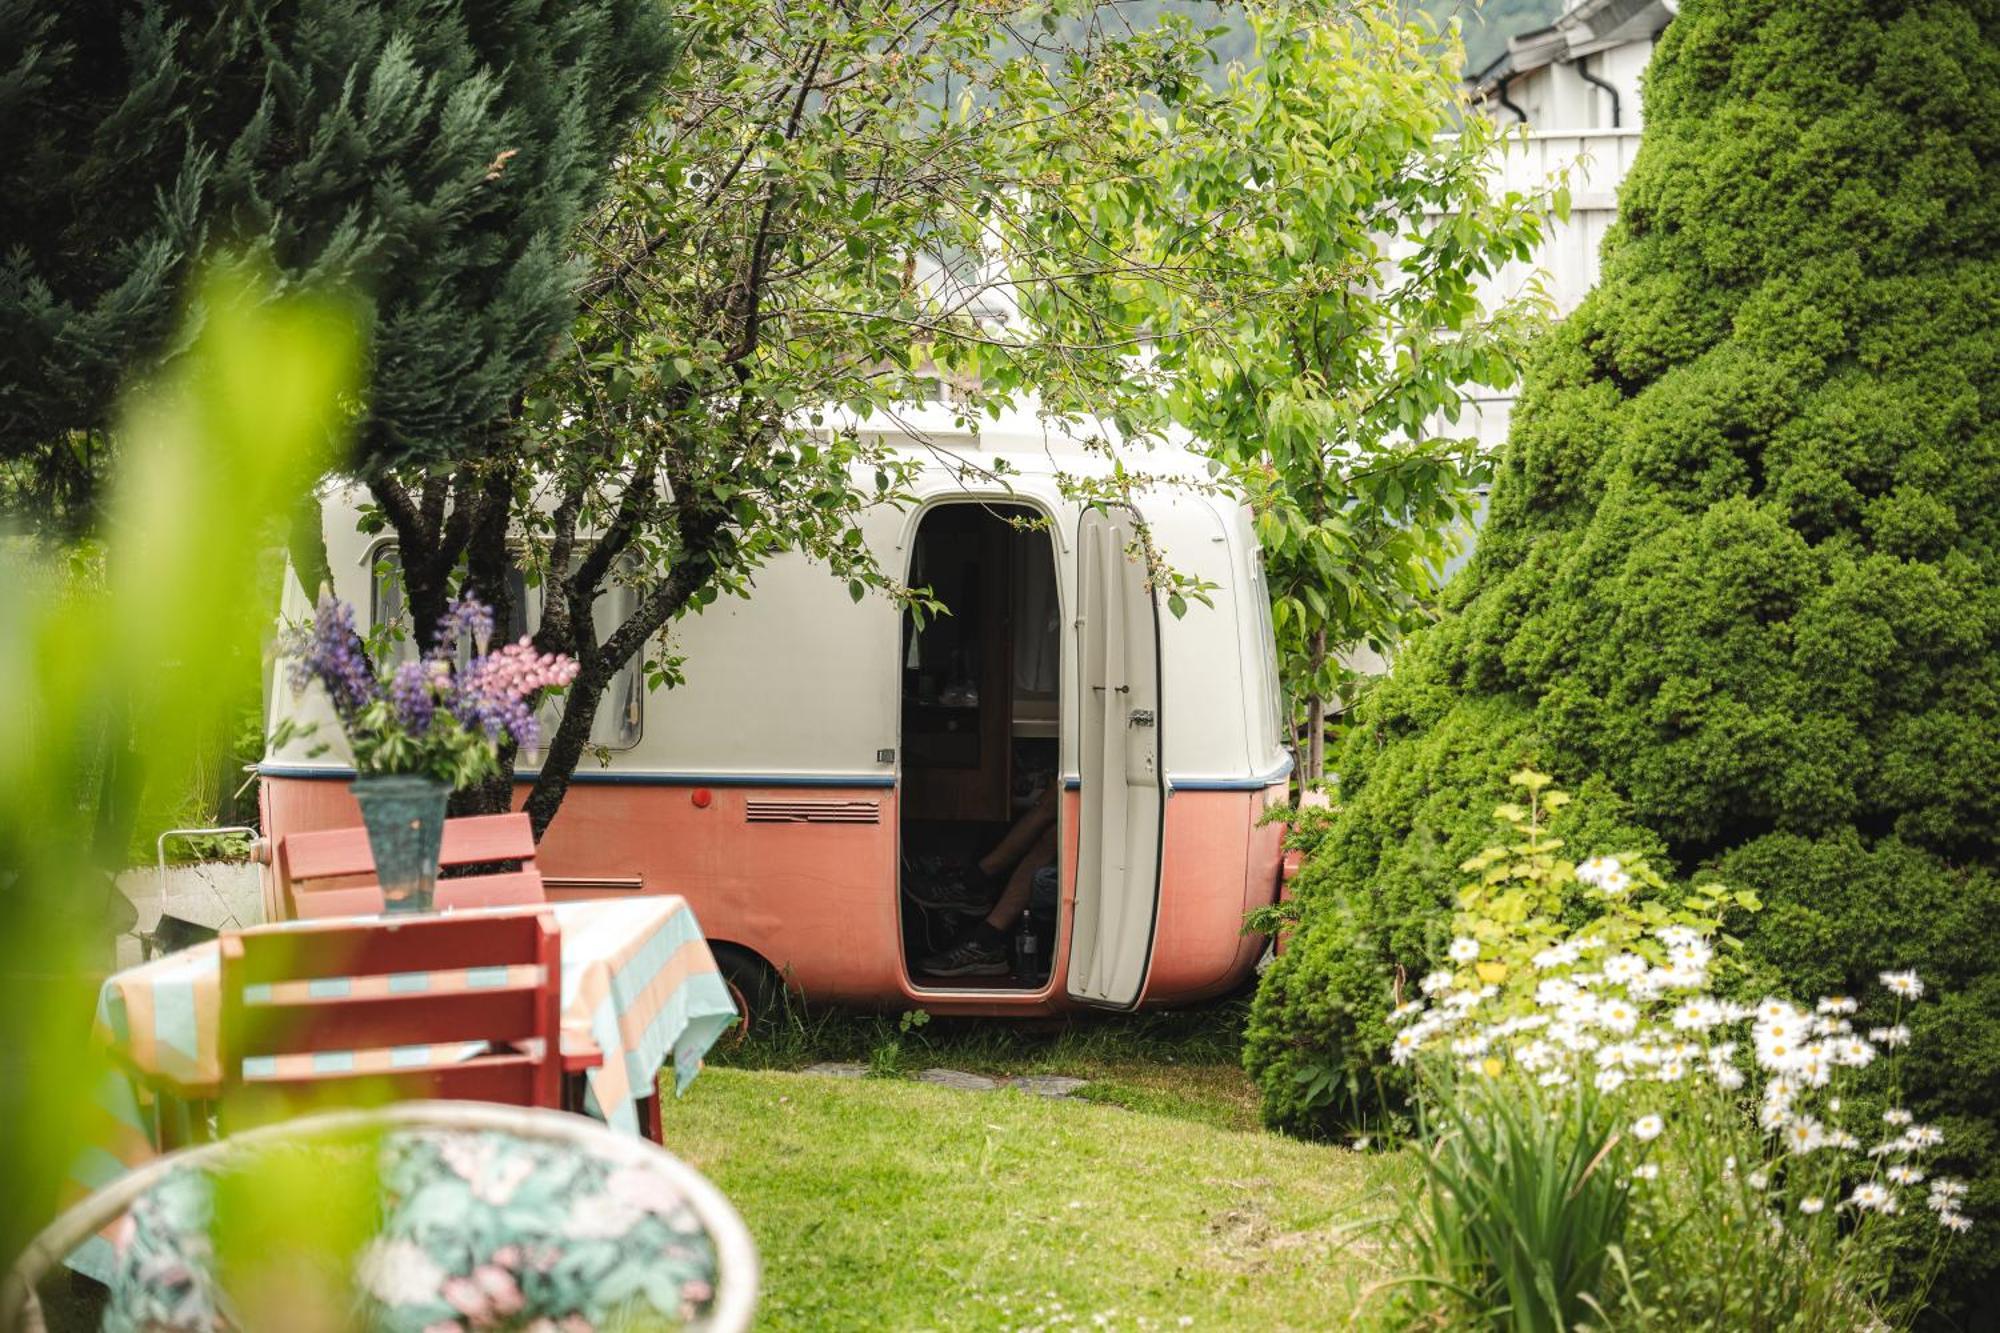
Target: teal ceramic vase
{"x":404,"y":815}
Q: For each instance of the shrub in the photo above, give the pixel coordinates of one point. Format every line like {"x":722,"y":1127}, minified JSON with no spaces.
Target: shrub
{"x":1739,"y":576}
{"x":1611,"y":1139}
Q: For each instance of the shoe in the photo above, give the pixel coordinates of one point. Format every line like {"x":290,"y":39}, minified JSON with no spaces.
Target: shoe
{"x":950,"y":892}
{"x":968,"y":958}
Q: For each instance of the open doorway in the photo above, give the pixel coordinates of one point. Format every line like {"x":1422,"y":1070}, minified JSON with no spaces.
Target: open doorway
{"x":981,"y":721}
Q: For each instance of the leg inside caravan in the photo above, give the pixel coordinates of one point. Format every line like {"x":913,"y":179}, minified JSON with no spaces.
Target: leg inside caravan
{"x":981,"y":795}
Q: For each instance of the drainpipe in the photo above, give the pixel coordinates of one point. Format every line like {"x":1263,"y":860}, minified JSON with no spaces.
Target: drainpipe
{"x":1583,"y":68}
{"x":1501,"y":83}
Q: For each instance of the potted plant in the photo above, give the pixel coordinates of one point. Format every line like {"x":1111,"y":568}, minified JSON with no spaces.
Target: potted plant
{"x":421,"y":729}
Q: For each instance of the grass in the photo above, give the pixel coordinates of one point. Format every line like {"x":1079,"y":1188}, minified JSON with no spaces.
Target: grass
{"x":1181,"y":1063}
{"x":886,"y":1203}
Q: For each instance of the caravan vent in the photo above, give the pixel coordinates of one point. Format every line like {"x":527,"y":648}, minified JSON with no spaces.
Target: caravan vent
{"x":812,"y":812}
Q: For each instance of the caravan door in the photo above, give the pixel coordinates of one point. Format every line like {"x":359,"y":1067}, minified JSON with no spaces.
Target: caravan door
{"x":1124,"y":783}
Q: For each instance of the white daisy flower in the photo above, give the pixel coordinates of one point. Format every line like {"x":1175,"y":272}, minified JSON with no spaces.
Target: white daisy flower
{"x":1463,"y":949}
{"x":1647,"y":1128}
{"x":1804,"y":1135}
{"x":1535,"y":1056}
{"x":1690,"y":954}
{"x":1697,"y":1015}
{"x":1557,"y":955}
{"x":1727,"y":1077}
{"x":1854,"y":1052}
{"x":1404,"y":1046}
{"x":1946,"y":1187}
{"x":1904,"y":985}
{"x":1613,"y":884}
{"x":1590,"y":943}
{"x":1609,"y":1080}
{"x":1435,"y":981}
{"x":1624,"y":967}
{"x":1556,"y":992}
{"x":1872,"y":1196}
{"x":1646,"y":1171}
{"x":1811,"y":1204}
{"x":1896,"y":1115}
{"x":1757,"y":1180}
{"x":1554,"y":1078}
{"x":1891,"y":1037}
{"x":1618,"y":1016}
{"x":1838,"y":1004}
{"x":1771,"y":1009}
{"x":1902,"y":1173}
{"x":1680,"y":976}
{"x":1405,"y":1011}
{"x":1594,"y":870}
{"x":1923,"y":1136}
{"x":1955,"y":1222}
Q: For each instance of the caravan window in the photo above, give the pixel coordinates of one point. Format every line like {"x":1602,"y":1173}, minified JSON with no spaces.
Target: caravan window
{"x":621,"y":711}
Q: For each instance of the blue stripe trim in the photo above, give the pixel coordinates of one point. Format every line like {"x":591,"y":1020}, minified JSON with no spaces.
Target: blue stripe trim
{"x":599,"y":777}
{"x":1255,"y":783}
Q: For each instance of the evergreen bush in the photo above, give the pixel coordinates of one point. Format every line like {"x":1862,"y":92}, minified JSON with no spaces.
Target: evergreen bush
{"x":1740,"y":582}
{"x":434,"y":156}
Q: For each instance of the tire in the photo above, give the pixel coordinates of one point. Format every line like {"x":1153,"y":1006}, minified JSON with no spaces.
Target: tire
{"x":754,"y":985}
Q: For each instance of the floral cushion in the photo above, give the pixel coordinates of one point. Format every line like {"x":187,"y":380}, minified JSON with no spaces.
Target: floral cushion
{"x":477,"y":1231}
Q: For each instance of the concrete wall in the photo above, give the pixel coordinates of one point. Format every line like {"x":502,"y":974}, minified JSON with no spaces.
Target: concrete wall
{"x":221,"y":895}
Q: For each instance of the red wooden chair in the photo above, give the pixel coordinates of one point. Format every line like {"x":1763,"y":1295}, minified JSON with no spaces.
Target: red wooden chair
{"x":303,"y":860}
{"x":379,"y":1035}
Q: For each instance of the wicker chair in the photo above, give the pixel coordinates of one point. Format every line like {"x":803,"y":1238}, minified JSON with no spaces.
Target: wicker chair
{"x":736,"y":1255}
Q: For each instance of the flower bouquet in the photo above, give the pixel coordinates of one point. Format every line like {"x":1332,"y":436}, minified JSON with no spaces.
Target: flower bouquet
{"x":423,"y":728}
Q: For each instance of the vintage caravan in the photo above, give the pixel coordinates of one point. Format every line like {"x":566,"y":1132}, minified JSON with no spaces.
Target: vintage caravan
{"x":825,"y":760}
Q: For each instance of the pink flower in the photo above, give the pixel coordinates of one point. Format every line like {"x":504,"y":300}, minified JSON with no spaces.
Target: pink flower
{"x":465,"y":1296}
{"x":503,"y":1294}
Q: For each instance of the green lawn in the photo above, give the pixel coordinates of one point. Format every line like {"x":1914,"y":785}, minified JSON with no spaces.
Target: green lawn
{"x":885,"y":1203}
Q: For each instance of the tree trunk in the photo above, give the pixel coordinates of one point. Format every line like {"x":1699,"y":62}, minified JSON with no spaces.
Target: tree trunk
{"x":703,"y":543}
{"x":1315,"y":762}
{"x":487,"y":565}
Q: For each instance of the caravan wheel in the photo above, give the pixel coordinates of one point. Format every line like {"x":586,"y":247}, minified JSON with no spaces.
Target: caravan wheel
{"x":753,"y":984}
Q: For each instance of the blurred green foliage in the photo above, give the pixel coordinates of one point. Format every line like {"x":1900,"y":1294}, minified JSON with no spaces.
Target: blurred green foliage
{"x":1738,"y":585}
{"x":111,"y":676}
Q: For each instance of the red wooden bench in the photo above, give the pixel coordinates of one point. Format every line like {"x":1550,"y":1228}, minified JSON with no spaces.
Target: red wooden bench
{"x":304,"y":860}
{"x":290,"y":1020}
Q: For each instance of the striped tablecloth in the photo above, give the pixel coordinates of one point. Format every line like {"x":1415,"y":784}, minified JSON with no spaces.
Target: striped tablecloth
{"x":639,"y":985}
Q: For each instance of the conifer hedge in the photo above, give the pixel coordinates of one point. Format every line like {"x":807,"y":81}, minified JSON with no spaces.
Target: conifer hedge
{"x":433,"y":155}
{"x":1740,"y":583}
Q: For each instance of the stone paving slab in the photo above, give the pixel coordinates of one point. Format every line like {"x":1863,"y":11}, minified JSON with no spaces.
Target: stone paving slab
{"x":952,"y":1078}
{"x":1059,"y":1086}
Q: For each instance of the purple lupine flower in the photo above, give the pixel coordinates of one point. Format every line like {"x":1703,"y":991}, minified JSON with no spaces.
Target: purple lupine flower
{"x":414,"y":695}
{"x":464,"y":617}
{"x":332,"y":653}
